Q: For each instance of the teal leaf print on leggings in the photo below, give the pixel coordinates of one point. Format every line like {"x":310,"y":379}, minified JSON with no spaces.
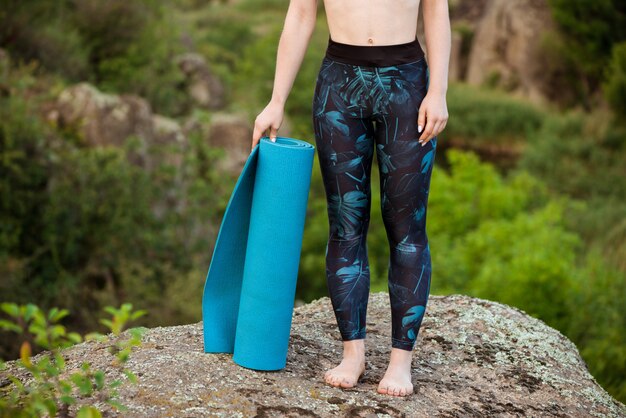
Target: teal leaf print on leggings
{"x":347,"y":211}
{"x":347,"y":166}
{"x":413,"y":318}
{"x":384,"y":160}
{"x":363,"y":143}
{"x":428,"y":160}
{"x":350,"y":277}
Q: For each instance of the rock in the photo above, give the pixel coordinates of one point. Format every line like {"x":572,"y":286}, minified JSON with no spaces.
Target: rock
{"x":473,"y":357}
{"x":204,"y":87}
{"x":233,"y":134}
{"x":103,"y":119}
{"x":505,"y":46}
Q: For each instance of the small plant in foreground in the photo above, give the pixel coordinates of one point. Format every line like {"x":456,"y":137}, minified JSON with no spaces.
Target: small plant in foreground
{"x":47,"y":393}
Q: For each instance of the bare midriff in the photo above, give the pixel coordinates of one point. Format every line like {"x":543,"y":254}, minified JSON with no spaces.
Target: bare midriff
{"x":372,"y":22}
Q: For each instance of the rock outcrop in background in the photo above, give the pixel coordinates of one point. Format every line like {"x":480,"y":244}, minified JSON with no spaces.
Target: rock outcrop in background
{"x":498,"y":42}
{"x":473,"y":358}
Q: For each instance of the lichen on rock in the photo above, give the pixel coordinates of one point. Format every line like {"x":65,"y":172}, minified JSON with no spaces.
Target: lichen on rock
{"x":473,"y":357}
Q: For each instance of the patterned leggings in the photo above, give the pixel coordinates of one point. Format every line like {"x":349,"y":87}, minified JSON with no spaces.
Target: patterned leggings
{"x":357,"y":108}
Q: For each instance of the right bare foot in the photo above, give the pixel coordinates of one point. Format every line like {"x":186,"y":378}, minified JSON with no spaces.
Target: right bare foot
{"x":352,"y":366}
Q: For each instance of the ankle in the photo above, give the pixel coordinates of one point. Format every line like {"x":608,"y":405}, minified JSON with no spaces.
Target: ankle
{"x":354,"y":348}
{"x":399,"y":356}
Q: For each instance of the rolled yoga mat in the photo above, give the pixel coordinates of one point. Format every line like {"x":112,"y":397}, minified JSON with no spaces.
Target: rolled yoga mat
{"x":248,"y":299}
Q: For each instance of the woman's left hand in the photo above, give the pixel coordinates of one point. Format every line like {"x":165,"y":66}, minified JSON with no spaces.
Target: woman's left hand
{"x":433,"y":116}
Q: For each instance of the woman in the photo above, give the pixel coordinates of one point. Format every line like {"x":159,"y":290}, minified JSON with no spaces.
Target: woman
{"x":374,"y":90}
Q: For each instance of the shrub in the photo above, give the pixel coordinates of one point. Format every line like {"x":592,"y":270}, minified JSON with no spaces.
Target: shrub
{"x":48,"y":391}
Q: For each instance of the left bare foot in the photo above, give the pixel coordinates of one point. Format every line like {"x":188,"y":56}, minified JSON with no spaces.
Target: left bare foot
{"x":397,"y":378}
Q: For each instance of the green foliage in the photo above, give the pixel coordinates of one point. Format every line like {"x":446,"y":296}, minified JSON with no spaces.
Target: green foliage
{"x":221,"y":35}
{"x":582,"y":156}
{"x":499,"y":239}
{"x":263,"y":6}
{"x":50,"y":392}
{"x":587,"y":32}
{"x":615,"y":85}
{"x":119,"y":45}
{"x":473,"y":192}
{"x":524,"y":263}
{"x":591,"y":28}
{"x":29,"y":31}
{"x":85,"y":227}
{"x":132,"y":48}
{"x":573,"y":160}
{"x":257,"y":62}
{"x":490,"y":117}
{"x":598,"y":320}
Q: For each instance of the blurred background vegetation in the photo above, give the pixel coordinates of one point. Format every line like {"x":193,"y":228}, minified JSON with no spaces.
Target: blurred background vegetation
{"x":544,"y":230}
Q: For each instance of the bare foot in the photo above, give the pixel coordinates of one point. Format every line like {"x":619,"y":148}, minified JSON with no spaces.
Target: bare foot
{"x":351,"y":367}
{"x":397,"y":378}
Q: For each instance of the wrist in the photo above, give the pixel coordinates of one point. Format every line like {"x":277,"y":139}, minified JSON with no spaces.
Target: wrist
{"x":437,"y":90}
{"x":278,"y":101}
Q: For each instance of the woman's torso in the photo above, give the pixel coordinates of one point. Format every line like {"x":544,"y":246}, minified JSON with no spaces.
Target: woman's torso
{"x":370,"y":23}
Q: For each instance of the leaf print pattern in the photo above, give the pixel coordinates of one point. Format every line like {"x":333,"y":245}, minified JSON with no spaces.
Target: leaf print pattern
{"x":359,"y":111}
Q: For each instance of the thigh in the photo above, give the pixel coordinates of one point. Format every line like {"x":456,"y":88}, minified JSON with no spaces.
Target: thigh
{"x":405,"y":165}
{"x":345,"y":146}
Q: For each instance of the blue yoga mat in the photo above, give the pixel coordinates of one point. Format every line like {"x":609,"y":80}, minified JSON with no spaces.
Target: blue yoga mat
{"x":248,"y":299}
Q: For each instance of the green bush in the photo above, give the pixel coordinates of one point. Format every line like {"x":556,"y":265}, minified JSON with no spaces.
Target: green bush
{"x":119,"y":45}
{"x":51,"y":391}
{"x":591,"y":28}
{"x":490,"y":117}
{"x":615,"y":85}
{"x":586,"y":32}
{"x":79,"y":227}
{"x":598,"y":319}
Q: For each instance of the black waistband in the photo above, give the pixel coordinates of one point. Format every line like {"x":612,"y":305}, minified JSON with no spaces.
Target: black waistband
{"x":374,"y":56}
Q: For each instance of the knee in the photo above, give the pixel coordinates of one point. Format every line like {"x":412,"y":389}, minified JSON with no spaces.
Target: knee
{"x":340,"y":232}
{"x":348,"y":223}
{"x":410,"y":254}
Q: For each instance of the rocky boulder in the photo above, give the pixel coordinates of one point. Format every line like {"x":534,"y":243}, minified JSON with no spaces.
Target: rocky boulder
{"x":473,"y":358}
{"x":103,"y":119}
{"x":503,"y":44}
{"x":203,"y":86}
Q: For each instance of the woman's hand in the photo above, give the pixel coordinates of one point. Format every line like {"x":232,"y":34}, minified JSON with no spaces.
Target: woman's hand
{"x":433,"y":116}
{"x":271,"y":118}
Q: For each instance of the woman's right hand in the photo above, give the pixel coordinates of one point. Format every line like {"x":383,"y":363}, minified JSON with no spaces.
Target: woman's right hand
{"x":270,"y":119}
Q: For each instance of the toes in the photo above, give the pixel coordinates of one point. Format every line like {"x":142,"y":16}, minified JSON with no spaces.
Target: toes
{"x":393,"y":389}
{"x":382,"y":388}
